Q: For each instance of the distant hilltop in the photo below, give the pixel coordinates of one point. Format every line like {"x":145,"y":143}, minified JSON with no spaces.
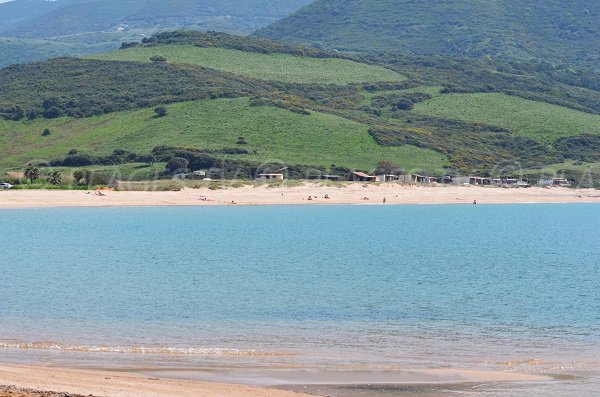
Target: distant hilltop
{"x":565,"y":31}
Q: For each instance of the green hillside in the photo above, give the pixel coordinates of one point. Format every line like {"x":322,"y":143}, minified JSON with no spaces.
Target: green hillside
{"x":270,"y":133}
{"x":273,"y":67}
{"x":554,"y":31}
{"x":536,"y":120}
{"x":305,"y":107}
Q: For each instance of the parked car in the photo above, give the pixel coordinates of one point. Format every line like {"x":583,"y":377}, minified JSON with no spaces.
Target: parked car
{"x":4,"y":185}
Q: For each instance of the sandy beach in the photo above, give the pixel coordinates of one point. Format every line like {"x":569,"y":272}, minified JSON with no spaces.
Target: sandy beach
{"x":29,"y":381}
{"x":353,"y":193}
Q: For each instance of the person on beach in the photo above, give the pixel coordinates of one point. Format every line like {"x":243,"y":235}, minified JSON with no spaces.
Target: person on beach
{"x":384,"y":200}
{"x":475,"y":202}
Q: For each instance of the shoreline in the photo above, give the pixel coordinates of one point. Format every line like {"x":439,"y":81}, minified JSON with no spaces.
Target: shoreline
{"x":350,"y":194}
{"x":37,"y":381}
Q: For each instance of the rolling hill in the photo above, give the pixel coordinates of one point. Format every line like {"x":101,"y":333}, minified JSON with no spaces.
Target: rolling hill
{"x":246,"y":101}
{"x":44,"y":19}
{"x":33,"y":30}
{"x":549,"y":30}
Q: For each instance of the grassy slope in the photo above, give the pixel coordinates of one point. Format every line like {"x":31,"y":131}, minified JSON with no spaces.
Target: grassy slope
{"x":537,"y":120}
{"x":275,"y":134}
{"x":278,"y":67}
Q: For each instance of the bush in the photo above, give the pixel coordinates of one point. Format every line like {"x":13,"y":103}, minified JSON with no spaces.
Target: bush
{"x":158,"y":58}
{"x":77,"y":160}
{"x":148,"y":159}
{"x":46,"y":132}
{"x":177,"y":164}
{"x":161,"y":111}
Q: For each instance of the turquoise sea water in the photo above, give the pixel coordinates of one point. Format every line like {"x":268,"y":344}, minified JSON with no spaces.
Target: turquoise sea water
{"x":270,"y":294}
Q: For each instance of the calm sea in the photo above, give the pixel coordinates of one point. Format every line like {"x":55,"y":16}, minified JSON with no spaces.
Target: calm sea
{"x":336,"y":294}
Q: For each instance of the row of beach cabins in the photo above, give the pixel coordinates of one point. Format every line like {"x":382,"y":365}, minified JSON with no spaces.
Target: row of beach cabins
{"x":423,"y":179}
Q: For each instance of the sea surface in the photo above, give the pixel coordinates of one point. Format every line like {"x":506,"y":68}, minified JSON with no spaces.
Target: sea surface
{"x":309,"y":295}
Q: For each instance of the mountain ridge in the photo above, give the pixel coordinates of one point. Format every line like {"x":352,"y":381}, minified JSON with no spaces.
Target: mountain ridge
{"x":543,"y":30}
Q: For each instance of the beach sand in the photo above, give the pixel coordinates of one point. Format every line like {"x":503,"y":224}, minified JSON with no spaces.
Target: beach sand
{"x":25,"y":380}
{"x":352,"y":193}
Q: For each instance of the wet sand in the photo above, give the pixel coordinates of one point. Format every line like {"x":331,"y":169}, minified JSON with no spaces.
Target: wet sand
{"x":353,"y":193}
{"x":75,"y":382}
{"x":25,"y":380}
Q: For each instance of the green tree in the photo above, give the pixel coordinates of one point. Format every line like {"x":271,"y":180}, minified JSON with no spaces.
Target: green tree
{"x":79,"y":176}
{"x":32,"y":173}
{"x":177,"y":164}
{"x":55,"y":178}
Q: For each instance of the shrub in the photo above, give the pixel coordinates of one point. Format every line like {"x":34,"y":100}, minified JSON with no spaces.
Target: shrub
{"x":148,"y":159}
{"x":77,"y":160}
{"x":158,"y":58}
{"x":177,"y":164}
{"x":161,"y":111}
{"x":46,"y":132}
{"x":54,"y":178}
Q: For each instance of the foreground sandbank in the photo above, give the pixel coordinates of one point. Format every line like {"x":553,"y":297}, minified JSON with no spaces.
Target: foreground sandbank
{"x":26,"y":379}
{"x":120,"y":384}
{"x":354,"y":193}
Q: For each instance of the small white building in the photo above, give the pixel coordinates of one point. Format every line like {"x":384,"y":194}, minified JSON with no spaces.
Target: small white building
{"x":556,"y":182}
{"x":267,"y":177}
{"x":388,"y":178}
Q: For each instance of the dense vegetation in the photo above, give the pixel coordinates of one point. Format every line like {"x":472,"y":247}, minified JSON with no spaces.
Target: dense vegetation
{"x":564,"y":31}
{"x":80,"y":88}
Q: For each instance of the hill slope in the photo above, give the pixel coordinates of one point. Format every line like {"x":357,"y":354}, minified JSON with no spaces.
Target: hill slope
{"x":416,"y":112}
{"x":551,"y":30}
{"x":274,"y":67}
{"x":271,"y":134}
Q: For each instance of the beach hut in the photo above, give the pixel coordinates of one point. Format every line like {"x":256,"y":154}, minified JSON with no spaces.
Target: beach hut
{"x":388,"y":178}
{"x":362,"y":177}
{"x":460,"y":180}
{"x":267,"y":177}
{"x":423,"y":179}
{"x":480,"y":181}
{"x":555,"y":182}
